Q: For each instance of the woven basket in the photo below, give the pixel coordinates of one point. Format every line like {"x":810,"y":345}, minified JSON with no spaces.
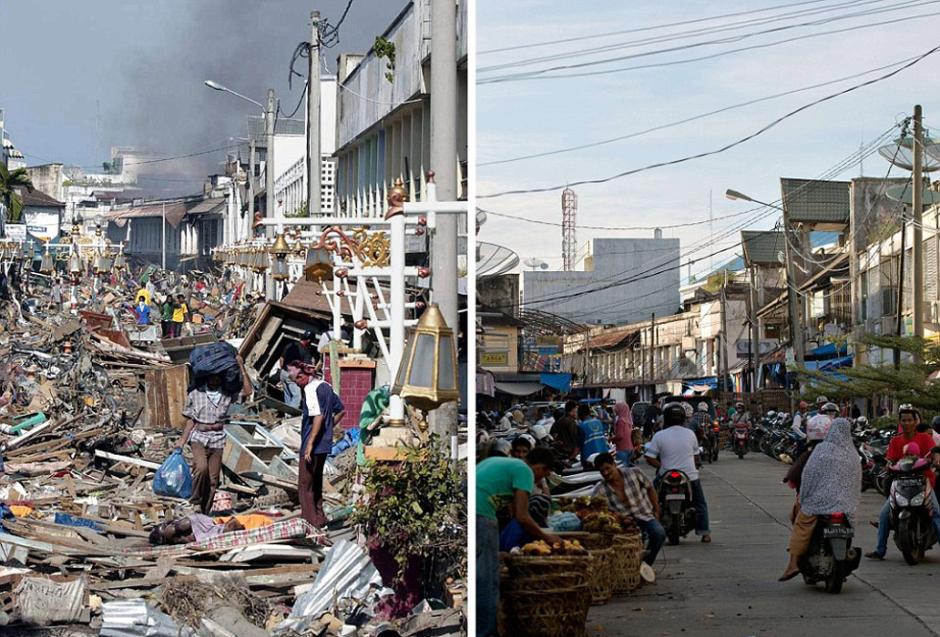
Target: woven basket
{"x":625,"y":565}
{"x":523,"y":566}
{"x":594,"y":541}
{"x":560,"y":612}
{"x":601,"y":576}
{"x":569,"y":579}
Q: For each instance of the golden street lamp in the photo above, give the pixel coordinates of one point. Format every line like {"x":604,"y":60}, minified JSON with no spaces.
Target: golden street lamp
{"x":427,"y":376}
{"x":279,"y":252}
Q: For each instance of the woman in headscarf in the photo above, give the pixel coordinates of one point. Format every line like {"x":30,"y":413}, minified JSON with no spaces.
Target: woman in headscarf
{"x":831,"y":483}
{"x":623,"y":432}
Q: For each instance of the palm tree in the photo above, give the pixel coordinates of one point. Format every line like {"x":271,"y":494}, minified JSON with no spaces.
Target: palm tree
{"x":11,"y":199}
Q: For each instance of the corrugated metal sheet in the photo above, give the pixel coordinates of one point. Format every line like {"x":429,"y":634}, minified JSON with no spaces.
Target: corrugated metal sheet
{"x":346,"y":571}
{"x":761,"y":247}
{"x":815,"y":201}
{"x":135,"y":618}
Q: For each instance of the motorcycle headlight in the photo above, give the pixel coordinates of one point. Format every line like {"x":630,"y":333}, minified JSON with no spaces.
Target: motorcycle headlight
{"x":900,"y":500}
{"x":917,"y":500}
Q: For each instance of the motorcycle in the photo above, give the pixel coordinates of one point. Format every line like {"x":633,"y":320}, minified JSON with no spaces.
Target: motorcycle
{"x":711,"y":443}
{"x":740,"y":438}
{"x":677,"y":515}
{"x":831,"y":556}
{"x":913,"y":527}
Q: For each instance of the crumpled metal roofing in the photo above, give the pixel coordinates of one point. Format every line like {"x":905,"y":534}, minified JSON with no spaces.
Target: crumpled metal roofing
{"x":346,"y":571}
{"x":135,"y":618}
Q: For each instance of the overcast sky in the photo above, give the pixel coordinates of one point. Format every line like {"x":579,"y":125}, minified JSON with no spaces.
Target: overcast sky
{"x":79,"y":77}
{"x":522,"y":117}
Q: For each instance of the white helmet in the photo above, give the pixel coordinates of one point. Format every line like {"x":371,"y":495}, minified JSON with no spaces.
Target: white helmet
{"x":831,"y":409}
{"x":861,"y":421}
{"x":688,"y":410}
{"x":771,"y":414}
{"x":539,"y":431}
{"x":818,"y":427}
{"x":703,"y":406}
{"x":528,"y":439}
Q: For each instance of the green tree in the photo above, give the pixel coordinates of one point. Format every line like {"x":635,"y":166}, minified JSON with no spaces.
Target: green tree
{"x":9,"y":182}
{"x":908,"y":383}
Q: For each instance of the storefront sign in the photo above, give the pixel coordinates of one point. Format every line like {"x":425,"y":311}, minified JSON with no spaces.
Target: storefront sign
{"x":494,"y":359}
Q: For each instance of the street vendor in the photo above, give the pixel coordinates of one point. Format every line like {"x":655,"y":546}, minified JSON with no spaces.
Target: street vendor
{"x":322,"y":411}
{"x":195,"y":527}
{"x":205,"y":412}
{"x":502,"y":480}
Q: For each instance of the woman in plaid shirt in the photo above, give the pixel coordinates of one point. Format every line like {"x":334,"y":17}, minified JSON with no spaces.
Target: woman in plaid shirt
{"x":206,"y":410}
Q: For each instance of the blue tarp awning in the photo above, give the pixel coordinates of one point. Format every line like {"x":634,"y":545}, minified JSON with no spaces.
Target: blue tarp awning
{"x":709,"y":381}
{"x":827,"y":351}
{"x":560,"y":381}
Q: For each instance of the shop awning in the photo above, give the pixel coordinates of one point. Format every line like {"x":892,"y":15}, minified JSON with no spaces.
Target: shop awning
{"x":829,"y":364}
{"x":560,"y":381}
{"x":518,"y":389}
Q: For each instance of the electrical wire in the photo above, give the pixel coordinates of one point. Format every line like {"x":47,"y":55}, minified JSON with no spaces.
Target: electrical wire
{"x":329,"y":33}
{"x":532,"y":45}
{"x":726,"y":147}
{"x":768,"y":211}
{"x":687,"y":120}
{"x":706,"y":31}
{"x":541,"y":74}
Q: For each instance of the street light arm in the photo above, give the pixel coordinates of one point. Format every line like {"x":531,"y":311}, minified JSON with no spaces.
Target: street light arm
{"x":218,"y":87}
{"x":735,"y":195}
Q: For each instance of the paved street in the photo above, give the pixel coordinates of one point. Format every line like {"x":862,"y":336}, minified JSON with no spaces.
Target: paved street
{"x":729,"y":588}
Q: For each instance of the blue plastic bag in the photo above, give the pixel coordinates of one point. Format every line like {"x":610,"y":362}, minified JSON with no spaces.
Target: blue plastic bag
{"x":564,"y":521}
{"x":512,"y":536}
{"x":174,"y":479}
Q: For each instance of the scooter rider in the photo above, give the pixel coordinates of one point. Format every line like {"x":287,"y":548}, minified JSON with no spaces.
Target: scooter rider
{"x":907,"y":417}
{"x":676,"y":447}
{"x":701,"y":419}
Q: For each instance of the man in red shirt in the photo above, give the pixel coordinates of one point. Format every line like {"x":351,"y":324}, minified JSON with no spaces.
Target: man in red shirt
{"x":907,"y":419}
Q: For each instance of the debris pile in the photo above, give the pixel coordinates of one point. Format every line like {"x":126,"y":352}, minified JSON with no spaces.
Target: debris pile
{"x":91,"y":405}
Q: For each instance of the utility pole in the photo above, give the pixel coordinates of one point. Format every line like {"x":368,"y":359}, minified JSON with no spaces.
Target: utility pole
{"x":723,"y":352}
{"x":314,"y":203}
{"x":444,"y":164}
{"x":163,"y":237}
{"x":796,"y":326}
{"x":269,"y":162}
{"x":653,"y":355}
{"x":251,"y":187}
{"x":918,"y":215}
{"x":270,"y":210}
{"x":755,"y":333}
{"x":900,"y":324}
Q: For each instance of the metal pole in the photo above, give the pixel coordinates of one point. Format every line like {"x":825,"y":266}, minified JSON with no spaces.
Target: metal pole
{"x":918,"y":213}
{"x":313,"y":119}
{"x":270,"y":209}
{"x":163,"y":240}
{"x":755,"y":334}
{"x":396,"y":343}
{"x":251,"y":188}
{"x":723,"y":352}
{"x":444,"y":162}
{"x":653,"y":355}
{"x":796,"y":331}
{"x":900,"y":323}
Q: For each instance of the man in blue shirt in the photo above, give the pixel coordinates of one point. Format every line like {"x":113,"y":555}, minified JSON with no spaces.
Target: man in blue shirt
{"x":592,"y":435}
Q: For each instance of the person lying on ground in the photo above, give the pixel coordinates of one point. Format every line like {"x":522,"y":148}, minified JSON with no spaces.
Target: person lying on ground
{"x":195,"y":527}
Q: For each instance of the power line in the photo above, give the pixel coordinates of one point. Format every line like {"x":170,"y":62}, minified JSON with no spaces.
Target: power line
{"x":724,"y":148}
{"x":532,"y":45}
{"x":329,"y":34}
{"x":692,"y":118}
{"x":768,"y":211}
{"x":612,"y":228}
{"x":682,"y":35}
{"x":541,"y":74}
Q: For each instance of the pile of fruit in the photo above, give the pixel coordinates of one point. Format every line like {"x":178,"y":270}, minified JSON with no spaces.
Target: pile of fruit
{"x":541,"y":548}
{"x":596,"y":516}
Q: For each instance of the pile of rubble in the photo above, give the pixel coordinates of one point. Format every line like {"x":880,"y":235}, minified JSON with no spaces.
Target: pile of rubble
{"x":89,"y":408}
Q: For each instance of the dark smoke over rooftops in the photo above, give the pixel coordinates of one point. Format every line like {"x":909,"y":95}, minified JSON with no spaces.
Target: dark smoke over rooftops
{"x":163,"y":105}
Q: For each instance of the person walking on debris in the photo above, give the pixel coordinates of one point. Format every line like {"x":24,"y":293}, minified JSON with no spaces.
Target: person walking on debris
{"x":322,"y":411}
{"x":180,"y":315}
{"x":205,"y":412}
{"x":56,"y":294}
{"x":166,"y":316}
{"x":295,"y":351}
{"x":142,"y":311}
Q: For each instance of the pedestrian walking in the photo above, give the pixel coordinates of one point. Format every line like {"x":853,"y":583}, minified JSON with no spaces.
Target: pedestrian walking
{"x":180,"y":316}
{"x":322,"y":411}
{"x":299,"y":350}
{"x":206,"y":411}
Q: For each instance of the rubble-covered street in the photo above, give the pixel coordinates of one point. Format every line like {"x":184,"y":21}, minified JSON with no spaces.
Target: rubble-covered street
{"x":91,"y":408}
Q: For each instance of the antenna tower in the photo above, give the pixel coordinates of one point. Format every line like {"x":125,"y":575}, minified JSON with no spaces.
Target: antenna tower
{"x":569,"y":212}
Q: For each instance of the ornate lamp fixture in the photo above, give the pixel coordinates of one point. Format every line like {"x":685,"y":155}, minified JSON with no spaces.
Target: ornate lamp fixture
{"x":427,"y":377}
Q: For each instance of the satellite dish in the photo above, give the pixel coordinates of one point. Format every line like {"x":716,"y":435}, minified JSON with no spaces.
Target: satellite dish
{"x":903,"y":193}
{"x":481,"y":218}
{"x":493,"y":260}
{"x":536,"y":264}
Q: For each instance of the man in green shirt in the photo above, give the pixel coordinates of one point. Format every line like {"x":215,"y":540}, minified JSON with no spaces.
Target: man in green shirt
{"x":501,"y":481}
